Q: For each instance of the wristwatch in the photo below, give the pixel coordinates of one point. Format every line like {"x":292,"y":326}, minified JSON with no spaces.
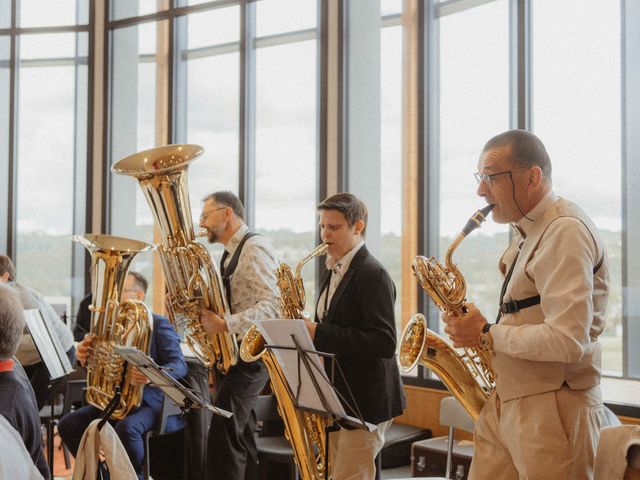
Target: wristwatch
{"x":486,"y":341}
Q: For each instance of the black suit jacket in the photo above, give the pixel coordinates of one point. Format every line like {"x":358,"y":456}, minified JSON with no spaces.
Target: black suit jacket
{"x":360,"y":329}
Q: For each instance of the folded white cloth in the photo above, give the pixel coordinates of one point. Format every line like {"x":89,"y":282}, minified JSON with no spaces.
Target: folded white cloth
{"x":86,"y":466}
{"x":613,"y":446}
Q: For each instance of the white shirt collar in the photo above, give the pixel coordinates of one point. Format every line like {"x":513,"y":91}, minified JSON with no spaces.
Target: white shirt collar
{"x":524,"y":225}
{"x":342,"y":265}
{"x":235,"y":239}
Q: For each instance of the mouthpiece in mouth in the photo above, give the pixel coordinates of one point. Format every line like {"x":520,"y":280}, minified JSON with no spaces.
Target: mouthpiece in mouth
{"x":476,"y":220}
{"x":203,"y":232}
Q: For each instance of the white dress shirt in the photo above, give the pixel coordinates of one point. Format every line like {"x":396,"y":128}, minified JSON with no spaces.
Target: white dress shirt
{"x":338,"y":270}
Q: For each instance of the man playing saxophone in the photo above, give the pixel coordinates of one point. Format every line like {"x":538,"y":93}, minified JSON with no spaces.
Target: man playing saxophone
{"x":543,"y":418}
{"x":165,"y":351}
{"x":355,"y":320}
{"x":248,"y":269}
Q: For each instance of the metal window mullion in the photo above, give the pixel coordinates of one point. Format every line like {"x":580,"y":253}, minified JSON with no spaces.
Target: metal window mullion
{"x":247,"y":135}
{"x":630,"y":170}
{"x":343,"y":98}
{"x":12,"y":167}
{"x":520,"y":64}
{"x":429,"y":149}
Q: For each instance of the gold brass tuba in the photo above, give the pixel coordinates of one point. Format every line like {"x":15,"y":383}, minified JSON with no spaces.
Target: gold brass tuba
{"x":305,"y":431}
{"x":114,"y":323}
{"x":467,"y":375}
{"x":193,"y":281}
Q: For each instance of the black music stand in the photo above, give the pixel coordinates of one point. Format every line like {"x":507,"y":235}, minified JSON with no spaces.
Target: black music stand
{"x":311,"y":388}
{"x":56,"y":362}
{"x":182,"y":396}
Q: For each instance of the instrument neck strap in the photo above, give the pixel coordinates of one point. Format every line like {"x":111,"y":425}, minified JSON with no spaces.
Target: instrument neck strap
{"x":227,"y":272}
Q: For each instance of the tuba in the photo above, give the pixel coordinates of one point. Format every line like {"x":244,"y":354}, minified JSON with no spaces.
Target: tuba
{"x":467,"y":375}
{"x":114,"y":323}
{"x":193,"y":281}
{"x":305,"y":431}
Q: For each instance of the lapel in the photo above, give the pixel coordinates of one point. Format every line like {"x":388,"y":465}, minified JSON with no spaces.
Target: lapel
{"x":356,"y":262}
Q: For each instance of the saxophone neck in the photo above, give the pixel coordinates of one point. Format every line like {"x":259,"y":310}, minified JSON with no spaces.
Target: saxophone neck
{"x":316,"y":252}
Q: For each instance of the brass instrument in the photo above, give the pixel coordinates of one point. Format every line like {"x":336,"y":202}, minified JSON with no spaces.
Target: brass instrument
{"x":114,"y":323}
{"x":305,"y":431}
{"x":467,"y":375}
{"x":192,"y":279}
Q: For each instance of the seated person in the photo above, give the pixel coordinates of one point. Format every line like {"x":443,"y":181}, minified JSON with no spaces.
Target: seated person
{"x":17,"y":401}
{"x":27,"y":353}
{"x":165,"y":350}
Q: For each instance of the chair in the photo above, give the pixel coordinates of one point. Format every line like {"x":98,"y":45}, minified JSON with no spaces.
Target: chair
{"x":618,"y":454}
{"x":452,"y":415}
{"x":271,"y":444}
{"x":168,"y":409}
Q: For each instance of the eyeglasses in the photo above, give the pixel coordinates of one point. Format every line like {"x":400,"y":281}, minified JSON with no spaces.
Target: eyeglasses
{"x":488,"y":177}
{"x":204,"y":215}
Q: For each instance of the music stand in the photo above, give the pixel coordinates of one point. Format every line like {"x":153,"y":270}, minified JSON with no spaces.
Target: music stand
{"x":55,"y":360}
{"x":182,"y":396}
{"x":311,"y":389}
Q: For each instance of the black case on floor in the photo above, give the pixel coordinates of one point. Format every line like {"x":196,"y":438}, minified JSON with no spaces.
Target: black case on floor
{"x":429,"y":457}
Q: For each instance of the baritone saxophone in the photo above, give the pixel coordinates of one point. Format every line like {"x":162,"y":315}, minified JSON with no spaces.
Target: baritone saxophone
{"x":468,"y":375}
{"x":304,"y":430}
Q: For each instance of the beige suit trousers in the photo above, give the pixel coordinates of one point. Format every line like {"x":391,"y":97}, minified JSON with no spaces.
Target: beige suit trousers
{"x":547,"y":436}
{"x":352,"y":453}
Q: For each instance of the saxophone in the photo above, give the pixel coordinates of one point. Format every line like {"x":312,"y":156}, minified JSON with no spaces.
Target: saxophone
{"x":304,"y":430}
{"x":193,"y":281}
{"x":467,"y":375}
{"x":114,"y":323}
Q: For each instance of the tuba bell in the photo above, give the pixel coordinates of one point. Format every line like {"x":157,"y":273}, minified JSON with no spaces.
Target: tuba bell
{"x":193,"y":281}
{"x":304,"y":430}
{"x":467,"y":375}
{"x":114,"y":323}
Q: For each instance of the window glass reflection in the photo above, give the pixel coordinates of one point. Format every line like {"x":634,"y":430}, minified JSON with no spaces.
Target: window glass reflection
{"x":46,"y":157}
{"x":279,"y":16}
{"x":573,"y":61}
{"x":474,"y":106}
{"x":286,"y":142}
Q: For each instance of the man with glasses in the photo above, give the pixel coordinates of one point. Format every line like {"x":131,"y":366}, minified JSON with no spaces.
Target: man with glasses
{"x":248,"y":270}
{"x":543,"y":419}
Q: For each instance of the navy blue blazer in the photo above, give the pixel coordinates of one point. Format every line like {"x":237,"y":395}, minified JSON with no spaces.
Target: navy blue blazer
{"x":360,"y":329}
{"x":165,"y":351}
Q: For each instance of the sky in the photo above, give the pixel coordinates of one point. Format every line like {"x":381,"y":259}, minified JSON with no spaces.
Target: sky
{"x":576,"y":75}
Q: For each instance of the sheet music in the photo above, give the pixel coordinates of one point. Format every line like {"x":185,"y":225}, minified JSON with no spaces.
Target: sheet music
{"x":165,"y":382}
{"x":278,"y":332}
{"x":48,"y":344}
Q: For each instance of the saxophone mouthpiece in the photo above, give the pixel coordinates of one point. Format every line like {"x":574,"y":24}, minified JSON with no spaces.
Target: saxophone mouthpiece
{"x":476,"y":220}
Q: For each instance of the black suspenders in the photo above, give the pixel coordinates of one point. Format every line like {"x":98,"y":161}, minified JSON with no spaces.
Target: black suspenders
{"x":227,"y":272}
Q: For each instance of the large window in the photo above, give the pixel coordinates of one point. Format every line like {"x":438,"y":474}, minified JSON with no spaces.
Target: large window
{"x":286,"y":130}
{"x":474,"y":106}
{"x":43,"y":131}
{"x":588,"y":49}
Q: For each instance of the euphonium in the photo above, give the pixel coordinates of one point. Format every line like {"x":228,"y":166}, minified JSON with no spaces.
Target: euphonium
{"x":305,"y":431}
{"x":193,"y":281}
{"x":114,"y":323}
{"x":467,"y":375}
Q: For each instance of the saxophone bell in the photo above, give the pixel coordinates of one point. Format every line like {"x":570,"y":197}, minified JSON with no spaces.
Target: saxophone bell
{"x":468,"y":375}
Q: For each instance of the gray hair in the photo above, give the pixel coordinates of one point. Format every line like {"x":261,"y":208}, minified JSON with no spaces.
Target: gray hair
{"x":11,"y":322}
{"x":227,"y":199}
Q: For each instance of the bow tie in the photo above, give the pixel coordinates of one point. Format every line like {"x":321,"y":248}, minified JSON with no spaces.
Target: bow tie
{"x":336,"y":268}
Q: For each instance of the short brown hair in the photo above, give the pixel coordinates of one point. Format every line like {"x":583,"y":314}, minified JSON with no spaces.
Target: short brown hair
{"x":349,"y":205}
{"x":228,"y":199}
{"x":6,"y":265}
